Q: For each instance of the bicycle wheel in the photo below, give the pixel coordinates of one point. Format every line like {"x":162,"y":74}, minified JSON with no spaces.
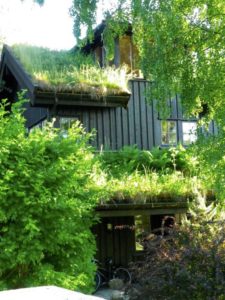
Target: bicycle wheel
{"x":98,"y":280}
{"x":123,"y":274}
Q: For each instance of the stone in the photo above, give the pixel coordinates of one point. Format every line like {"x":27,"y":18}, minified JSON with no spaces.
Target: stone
{"x":45,"y":293}
{"x":116,"y":284}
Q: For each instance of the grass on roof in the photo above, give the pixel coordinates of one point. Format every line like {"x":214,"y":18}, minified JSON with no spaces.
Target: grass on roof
{"x":160,"y":175}
{"x":67,"y":71}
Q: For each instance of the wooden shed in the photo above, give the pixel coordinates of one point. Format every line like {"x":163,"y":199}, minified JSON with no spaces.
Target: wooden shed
{"x":123,"y":227}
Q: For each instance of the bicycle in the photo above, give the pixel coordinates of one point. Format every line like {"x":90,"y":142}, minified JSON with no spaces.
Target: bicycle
{"x":104,"y":275}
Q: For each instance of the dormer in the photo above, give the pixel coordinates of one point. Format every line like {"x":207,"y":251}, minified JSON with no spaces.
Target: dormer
{"x":125,"y":52}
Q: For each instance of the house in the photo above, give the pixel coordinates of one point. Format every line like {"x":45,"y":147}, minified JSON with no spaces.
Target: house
{"x":120,"y":119}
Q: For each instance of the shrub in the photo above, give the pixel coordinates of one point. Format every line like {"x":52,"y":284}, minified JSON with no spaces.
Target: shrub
{"x":130,"y":159}
{"x":46,"y":206}
{"x":189,"y":263}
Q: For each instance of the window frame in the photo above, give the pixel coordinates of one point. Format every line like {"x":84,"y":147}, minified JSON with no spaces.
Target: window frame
{"x":176,"y":132}
{"x":70,"y":118}
{"x":191,"y":134}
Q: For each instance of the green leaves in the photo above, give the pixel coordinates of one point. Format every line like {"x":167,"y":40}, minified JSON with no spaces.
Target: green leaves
{"x":83,"y":12}
{"x":181,"y":47}
{"x":180,"y":43}
{"x":45,"y":195}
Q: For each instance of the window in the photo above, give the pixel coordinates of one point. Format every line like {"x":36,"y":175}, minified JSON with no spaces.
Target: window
{"x":161,"y":224}
{"x":65,"y":123}
{"x":189,"y":130}
{"x":168,"y":132}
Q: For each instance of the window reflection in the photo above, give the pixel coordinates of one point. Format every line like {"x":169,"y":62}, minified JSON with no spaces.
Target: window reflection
{"x":66,"y":123}
{"x":189,"y":130}
{"x":168,"y":132}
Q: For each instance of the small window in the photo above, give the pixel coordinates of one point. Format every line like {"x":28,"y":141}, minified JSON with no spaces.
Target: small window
{"x":142,"y":230}
{"x":65,"y":123}
{"x":189,"y":130}
{"x":161,"y":223}
{"x":168,"y":132}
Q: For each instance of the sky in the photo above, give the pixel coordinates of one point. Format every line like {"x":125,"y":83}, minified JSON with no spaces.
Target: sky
{"x":25,"y":22}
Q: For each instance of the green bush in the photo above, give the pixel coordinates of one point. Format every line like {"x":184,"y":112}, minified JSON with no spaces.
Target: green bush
{"x":210,"y":151}
{"x":46,"y":206}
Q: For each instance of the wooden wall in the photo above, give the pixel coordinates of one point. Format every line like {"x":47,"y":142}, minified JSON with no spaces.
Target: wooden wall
{"x":115,"y":235}
{"x":115,"y":239}
{"x":117,"y":127}
{"x":139,"y":124}
{"x":34,"y":115}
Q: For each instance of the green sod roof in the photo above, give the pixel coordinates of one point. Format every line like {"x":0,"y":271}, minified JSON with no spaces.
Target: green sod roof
{"x":66,"y":71}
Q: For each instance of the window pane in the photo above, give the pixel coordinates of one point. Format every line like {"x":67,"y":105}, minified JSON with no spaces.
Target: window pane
{"x":189,"y":132}
{"x":66,"y":123}
{"x":169,"y":132}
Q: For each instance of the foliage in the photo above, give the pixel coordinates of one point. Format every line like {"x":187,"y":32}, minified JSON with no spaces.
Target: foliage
{"x":70,"y":71}
{"x":46,"y":208}
{"x":212,"y":161}
{"x":153,"y":187}
{"x":131,"y":159}
{"x":188,"y":262}
{"x":40,"y":2}
{"x":181,"y":47}
{"x":140,"y":176}
{"x":83,"y":12}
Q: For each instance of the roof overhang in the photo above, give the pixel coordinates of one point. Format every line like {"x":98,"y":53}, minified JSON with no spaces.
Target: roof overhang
{"x":132,"y":209}
{"x":42,"y":98}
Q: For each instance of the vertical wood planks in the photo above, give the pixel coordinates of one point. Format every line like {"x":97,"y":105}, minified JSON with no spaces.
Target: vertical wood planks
{"x":137,"y":116}
{"x":113,"y":136}
{"x":106,"y":124}
{"x":131,"y":116}
{"x":119,"y":128}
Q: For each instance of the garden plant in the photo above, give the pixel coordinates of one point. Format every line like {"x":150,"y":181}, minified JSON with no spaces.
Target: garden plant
{"x":46,"y":205}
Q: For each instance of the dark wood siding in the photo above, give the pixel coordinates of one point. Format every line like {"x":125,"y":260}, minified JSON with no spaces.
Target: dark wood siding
{"x":34,"y":115}
{"x":115,"y":239}
{"x":118,"y":127}
{"x":139,"y":124}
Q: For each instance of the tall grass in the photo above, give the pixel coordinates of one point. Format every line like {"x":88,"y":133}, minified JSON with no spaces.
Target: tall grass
{"x":69,"y":71}
{"x":159,"y":175}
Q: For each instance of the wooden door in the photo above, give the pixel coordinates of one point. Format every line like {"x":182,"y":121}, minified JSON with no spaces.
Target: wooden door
{"x":115,"y":238}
